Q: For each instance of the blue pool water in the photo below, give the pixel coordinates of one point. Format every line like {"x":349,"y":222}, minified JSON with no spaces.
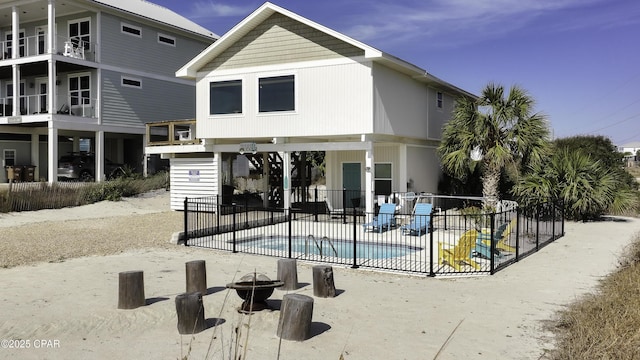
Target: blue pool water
{"x":330,"y":248}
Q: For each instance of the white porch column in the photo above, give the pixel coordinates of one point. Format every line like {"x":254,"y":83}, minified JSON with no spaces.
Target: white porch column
{"x":265,"y":179}
{"x":16,"y":90}
{"x":35,"y":154}
{"x":51,"y":49}
{"x":99,"y":154}
{"x":51,"y":26}
{"x":404,"y":168}
{"x":15,"y":32}
{"x":369,"y":184}
{"x":52,"y":161}
{"x":286,"y":178}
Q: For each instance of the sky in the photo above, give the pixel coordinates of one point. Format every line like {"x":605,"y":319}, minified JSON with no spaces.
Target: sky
{"x":579,"y":59}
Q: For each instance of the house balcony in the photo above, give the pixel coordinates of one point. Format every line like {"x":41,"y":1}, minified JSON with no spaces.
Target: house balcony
{"x":34,"y":108}
{"x":30,"y":46}
{"x":173,"y":132}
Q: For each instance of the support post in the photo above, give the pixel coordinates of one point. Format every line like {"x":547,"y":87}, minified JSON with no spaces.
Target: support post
{"x":295,"y":317}
{"x":131,"y":290}
{"x":323,"y":285}
{"x":288,"y":273}
{"x":190,"y":313}
{"x":196,"y":273}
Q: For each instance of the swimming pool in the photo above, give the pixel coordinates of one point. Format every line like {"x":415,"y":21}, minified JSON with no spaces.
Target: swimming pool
{"x":324,"y":247}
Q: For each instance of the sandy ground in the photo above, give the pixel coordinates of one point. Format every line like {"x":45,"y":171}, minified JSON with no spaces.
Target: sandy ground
{"x":67,"y":309}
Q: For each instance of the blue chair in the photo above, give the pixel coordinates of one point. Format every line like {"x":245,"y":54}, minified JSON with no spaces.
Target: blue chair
{"x":420,"y":222}
{"x":386,"y":218}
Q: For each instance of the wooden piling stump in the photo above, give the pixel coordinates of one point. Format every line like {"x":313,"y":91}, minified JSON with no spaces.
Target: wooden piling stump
{"x":295,"y":317}
{"x":190,"y":312}
{"x":323,"y":285}
{"x":196,"y":276}
{"x":288,"y":273}
{"x":131,"y":290}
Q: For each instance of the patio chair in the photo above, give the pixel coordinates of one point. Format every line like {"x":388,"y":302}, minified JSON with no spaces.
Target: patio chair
{"x":420,"y":222}
{"x":501,"y":235}
{"x":334,"y":213}
{"x":460,"y":254}
{"x":385,"y":218}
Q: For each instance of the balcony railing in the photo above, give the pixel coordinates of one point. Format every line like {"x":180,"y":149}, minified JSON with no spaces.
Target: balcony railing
{"x":37,"y":104}
{"x":175,"y":132}
{"x":72,"y":47}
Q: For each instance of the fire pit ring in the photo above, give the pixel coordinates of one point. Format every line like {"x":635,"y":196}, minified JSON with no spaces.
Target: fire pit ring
{"x":257,"y":285}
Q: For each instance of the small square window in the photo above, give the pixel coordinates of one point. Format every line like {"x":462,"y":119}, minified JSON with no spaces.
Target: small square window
{"x":225,"y":97}
{"x":276,"y":93}
{"x":382,"y":179}
{"x":166,"y":40}
{"x":131,"y":30}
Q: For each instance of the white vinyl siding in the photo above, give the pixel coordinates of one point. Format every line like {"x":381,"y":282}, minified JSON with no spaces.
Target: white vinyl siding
{"x":192,"y":177}
{"x":330,"y":100}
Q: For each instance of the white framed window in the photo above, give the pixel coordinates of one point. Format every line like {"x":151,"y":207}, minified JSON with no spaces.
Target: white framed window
{"x":79,"y":89}
{"x":439,"y":100}
{"x":166,"y":40}
{"x":131,"y":30}
{"x":8,"y":157}
{"x":41,"y":40}
{"x":131,"y":82}
{"x":383,"y":178}
{"x":80,"y":33}
{"x":225,"y":97}
{"x":276,"y":93}
{"x":8,"y":108}
{"x":21,"y":46}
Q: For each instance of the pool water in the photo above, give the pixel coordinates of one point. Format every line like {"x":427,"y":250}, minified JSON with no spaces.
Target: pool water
{"x":331,"y":248}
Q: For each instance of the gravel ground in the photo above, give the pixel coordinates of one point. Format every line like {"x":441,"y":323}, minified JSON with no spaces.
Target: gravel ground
{"x":104,"y":228}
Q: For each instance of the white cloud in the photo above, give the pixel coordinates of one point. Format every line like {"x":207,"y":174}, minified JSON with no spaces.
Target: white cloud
{"x":460,"y":21}
{"x":207,"y":9}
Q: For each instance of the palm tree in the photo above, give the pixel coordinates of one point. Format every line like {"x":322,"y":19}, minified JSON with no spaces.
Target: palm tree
{"x":495,"y":132}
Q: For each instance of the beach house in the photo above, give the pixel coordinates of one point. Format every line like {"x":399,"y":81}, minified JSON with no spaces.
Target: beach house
{"x":278,"y":86}
{"x":82,"y":75}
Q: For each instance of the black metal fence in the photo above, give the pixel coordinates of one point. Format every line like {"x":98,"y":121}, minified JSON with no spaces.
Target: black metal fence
{"x":451,"y":240}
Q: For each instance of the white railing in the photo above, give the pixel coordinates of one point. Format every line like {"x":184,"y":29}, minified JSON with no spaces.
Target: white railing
{"x":37,"y":104}
{"x":38,"y":45}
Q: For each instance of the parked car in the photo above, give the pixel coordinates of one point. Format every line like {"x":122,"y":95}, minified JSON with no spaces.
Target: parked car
{"x":81,"y":166}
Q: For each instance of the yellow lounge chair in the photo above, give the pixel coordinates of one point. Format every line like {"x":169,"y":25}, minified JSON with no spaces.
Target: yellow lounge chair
{"x":501,"y":235}
{"x":461,"y":253}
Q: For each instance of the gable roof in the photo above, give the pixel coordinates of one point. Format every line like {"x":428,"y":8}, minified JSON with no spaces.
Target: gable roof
{"x":157,"y":13}
{"x":190,"y":70}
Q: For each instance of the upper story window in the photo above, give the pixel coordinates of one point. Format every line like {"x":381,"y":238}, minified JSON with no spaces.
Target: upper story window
{"x":131,"y":82}
{"x":276,"y":93}
{"x":80,"y":33}
{"x":439,"y":100}
{"x":131,"y":30}
{"x":166,"y":39}
{"x":9,"y":38}
{"x":225,"y":97}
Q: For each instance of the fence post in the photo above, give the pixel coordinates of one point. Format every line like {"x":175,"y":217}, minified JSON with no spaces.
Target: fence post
{"x":517,"y":233}
{"x":431,"y":273}
{"x":315,"y":203}
{"x":355,"y":232}
{"x":218,"y":215}
{"x":186,"y":221}
{"x":553,"y":220}
{"x":233,"y":227}
{"x":538,"y":227}
{"x":492,"y":248}
{"x":290,"y":230}
{"x":344,"y":205}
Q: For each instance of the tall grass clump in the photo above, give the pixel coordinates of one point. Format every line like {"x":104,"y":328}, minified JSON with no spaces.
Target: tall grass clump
{"x":604,"y":325}
{"x":38,"y":196}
